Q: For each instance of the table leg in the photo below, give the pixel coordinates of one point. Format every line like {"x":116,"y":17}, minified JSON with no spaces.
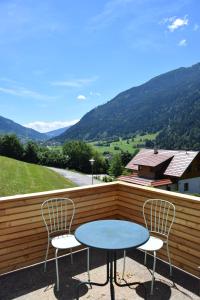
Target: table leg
{"x":111,"y":276}
{"x":96,"y":283}
{"x":112,"y":290}
{"x":115,"y":276}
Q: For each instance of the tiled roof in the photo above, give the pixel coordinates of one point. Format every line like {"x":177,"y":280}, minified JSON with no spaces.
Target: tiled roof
{"x":143,"y":181}
{"x":146,"y":157}
{"x":180,"y":162}
{"x":177,"y":166}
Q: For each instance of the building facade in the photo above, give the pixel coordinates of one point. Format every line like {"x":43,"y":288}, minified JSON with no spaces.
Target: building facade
{"x":166,"y":169}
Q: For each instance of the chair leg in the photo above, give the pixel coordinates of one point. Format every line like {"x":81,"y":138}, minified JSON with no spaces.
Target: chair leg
{"x":71,"y":256}
{"x":145,"y":258}
{"x":88,"y":263}
{"x":57,"y":272}
{"x":47,"y":252}
{"x":124,"y":264}
{"x":154,"y":267}
{"x":170,"y":265}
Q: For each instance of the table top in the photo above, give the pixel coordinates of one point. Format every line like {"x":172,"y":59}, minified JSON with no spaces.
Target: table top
{"x":112,"y":234}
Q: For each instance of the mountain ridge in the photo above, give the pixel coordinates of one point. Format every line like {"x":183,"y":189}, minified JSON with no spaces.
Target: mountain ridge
{"x":8,"y":126}
{"x":154,"y":106}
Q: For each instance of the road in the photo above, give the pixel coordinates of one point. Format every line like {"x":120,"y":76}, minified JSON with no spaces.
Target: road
{"x":77,"y":178}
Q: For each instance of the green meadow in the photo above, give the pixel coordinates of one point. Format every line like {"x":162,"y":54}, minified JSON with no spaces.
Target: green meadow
{"x":123,"y":145}
{"x":17,"y":177}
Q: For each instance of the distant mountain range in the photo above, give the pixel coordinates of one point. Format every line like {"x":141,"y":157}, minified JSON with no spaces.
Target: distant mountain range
{"x":8,"y":127}
{"x":168,"y":104}
{"x":23,"y":133}
{"x":56,"y":132}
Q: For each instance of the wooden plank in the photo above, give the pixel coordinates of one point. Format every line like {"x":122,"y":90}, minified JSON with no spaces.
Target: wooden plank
{"x":26,"y":214}
{"x":32,"y":217}
{"x":148,"y":192}
{"x":100,"y":213}
{"x":26,"y":207}
{"x":184,"y":236}
{"x":27,"y":199}
{"x":181,"y":212}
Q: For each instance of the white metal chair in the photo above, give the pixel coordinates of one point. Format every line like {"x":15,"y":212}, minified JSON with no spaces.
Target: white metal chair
{"x":58,"y":214}
{"x":159,"y":216}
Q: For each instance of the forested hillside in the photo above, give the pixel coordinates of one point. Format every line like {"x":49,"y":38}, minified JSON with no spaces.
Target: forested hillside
{"x":168,"y":104}
{"x":7,"y":126}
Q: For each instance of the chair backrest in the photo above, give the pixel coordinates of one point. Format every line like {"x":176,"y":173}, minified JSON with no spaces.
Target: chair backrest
{"x":159,"y":216}
{"x":58,"y":214}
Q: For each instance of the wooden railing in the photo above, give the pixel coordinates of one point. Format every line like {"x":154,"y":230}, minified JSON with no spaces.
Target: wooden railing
{"x":23,"y":237}
{"x":184,"y":239}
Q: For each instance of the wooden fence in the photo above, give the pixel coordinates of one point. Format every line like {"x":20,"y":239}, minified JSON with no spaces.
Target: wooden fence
{"x":184,"y":239}
{"x":23,"y":237}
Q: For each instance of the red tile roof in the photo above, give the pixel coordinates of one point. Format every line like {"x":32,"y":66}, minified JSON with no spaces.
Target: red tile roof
{"x":180,"y":162}
{"x":143,"y":181}
{"x":177,"y":166}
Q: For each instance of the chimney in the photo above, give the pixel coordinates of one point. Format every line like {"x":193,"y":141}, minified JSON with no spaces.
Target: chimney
{"x":155,"y":150}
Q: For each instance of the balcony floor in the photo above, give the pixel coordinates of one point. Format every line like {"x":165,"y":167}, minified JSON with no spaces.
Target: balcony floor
{"x":33,"y":284}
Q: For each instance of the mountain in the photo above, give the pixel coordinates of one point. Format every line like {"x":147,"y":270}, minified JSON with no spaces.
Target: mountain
{"x":54,"y":133}
{"x":168,"y":104}
{"x":9,"y":127}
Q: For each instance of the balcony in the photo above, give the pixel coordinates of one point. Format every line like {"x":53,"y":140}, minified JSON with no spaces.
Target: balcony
{"x":23,"y":241}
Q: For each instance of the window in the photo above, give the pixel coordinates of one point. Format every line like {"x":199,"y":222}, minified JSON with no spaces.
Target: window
{"x":168,"y":188}
{"x":186,"y":186}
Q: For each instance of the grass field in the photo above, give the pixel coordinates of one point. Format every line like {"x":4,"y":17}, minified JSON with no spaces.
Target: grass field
{"x":17,"y":177}
{"x":123,"y":145}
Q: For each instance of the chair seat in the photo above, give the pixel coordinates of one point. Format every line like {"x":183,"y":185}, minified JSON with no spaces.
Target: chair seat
{"x":153,"y":244}
{"x":64,"y":241}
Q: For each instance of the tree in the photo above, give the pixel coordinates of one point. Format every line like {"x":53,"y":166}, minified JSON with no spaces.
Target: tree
{"x":101,"y":164}
{"x":31,"y":152}
{"x":52,"y":158}
{"x":125,"y":157}
{"x":115,"y":166}
{"x":10,"y":146}
{"x":78,"y":153}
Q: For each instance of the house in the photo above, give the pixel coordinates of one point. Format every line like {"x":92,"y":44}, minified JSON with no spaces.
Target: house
{"x":171,"y":170}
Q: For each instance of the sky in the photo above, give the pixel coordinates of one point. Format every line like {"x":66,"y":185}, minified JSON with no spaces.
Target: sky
{"x":61,"y":58}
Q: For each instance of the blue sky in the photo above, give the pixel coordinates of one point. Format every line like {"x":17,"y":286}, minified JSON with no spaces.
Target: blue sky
{"x":59,"y":59}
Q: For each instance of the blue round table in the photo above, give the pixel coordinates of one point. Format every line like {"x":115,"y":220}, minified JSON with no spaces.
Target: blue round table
{"x":111,"y":235}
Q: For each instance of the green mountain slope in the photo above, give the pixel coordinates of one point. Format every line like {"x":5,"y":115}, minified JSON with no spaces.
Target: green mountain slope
{"x":169,"y":103}
{"x":17,"y":177}
{"x":9,"y":127}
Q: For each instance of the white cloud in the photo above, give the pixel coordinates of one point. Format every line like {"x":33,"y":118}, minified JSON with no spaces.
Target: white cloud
{"x":182,"y":43}
{"x":177,"y":23}
{"x":196,"y":27}
{"x":42,"y":126}
{"x":81,"y":97}
{"x":75,"y":82}
{"x":24,"y":92}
